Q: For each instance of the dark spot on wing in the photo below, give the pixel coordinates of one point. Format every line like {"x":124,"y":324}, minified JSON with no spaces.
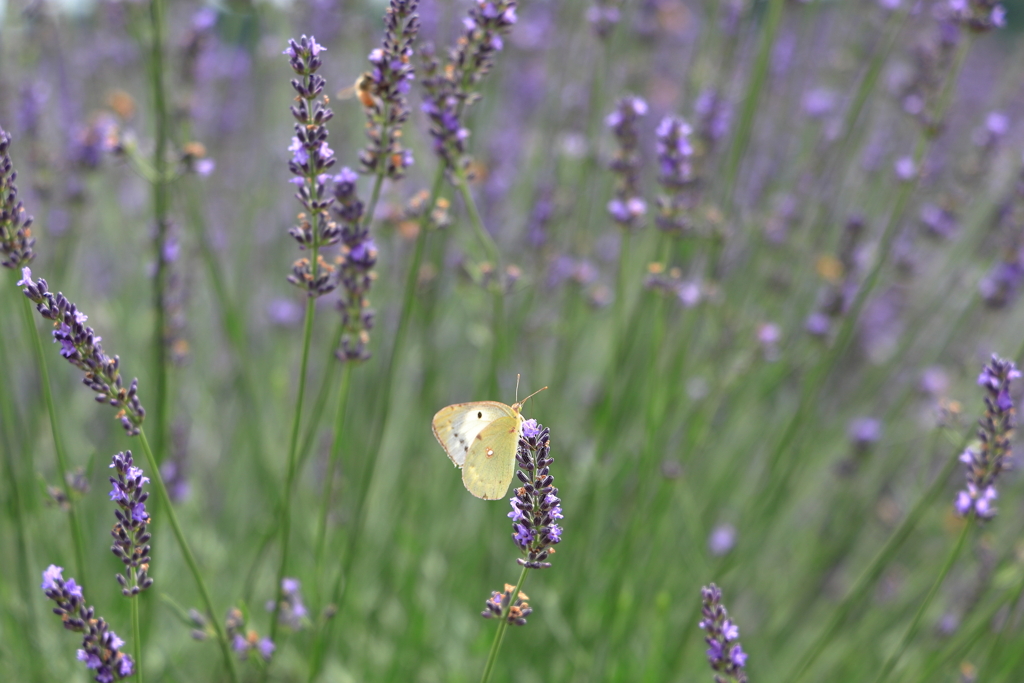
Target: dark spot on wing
{"x":479,"y":416}
{"x":480,"y":436}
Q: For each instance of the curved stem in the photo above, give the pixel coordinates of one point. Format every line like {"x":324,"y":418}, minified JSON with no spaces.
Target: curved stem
{"x":190,"y":560}
{"x":58,"y":442}
{"x":499,"y":636}
{"x":908,"y":635}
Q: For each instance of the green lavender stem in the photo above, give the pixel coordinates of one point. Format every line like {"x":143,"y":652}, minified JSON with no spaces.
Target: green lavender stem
{"x":874,"y":570}
{"x":190,"y":560}
{"x":58,"y":442}
{"x":908,"y":635}
{"x":137,"y":633}
{"x":332,"y":467}
{"x":286,"y":504}
{"x":499,"y":636}
{"x":341,"y":582}
{"x":161,"y":202}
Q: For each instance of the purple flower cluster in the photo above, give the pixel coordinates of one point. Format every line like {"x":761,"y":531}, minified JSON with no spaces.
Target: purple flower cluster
{"x":80,"y":345}
{"x":628,"y":207}
{"x":383,"y":90}
{"x":725,"y":655}
{"x":603,"y":16}
{"x":536,"y":506}
{"x":245,"y":642}
{"x":311,"y":158}
{"x":16,"y":239}
{"x":676,"y":175}
{"x":355,"y":270}
{"x":979,"y":16}
{"x":518,"y":610}
{"x":101,"y":648}
{"x":293,"y":612}
{"x":448,"y":89}
{"x":131,"y":539}
{"x":987,"y":460}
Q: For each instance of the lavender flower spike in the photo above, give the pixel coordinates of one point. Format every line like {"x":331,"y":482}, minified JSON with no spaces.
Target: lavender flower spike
{"x":992,"y":455}
{"x":80,"y":345}
{"x":311,"y":159}
{"x":517,"y":613}
{"x":448,"y":89}
{"x":355,"y":270}
{"x":383,"y":89}
{"x":675,"y":175}
{"x":101,"y":648}
{"x":628,"y":207}
{"x":536,"y":507}
{"x":725,"y":655}
{"x":16,"y":239}
{"x":131,"y":539}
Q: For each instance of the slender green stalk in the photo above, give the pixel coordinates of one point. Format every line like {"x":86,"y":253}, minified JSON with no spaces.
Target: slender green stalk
{"x":341,"y":582}
{"x":289,"y":484}
{"x":499,"y":636}
{"x":161,"y":203}
{"x":190,"y":560}
{"x":58,"y":442}
{"x":332,"y":467}
{"x":16,"y":509}
{"x":137,"y":633}
{"x":752,"y":98}
{"x":497,"y":286}
{"x":873,"y":571}
{"x":908,"y":635}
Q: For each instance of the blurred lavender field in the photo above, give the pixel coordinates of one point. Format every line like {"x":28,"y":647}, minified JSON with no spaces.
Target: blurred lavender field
{"x":766,"y":255}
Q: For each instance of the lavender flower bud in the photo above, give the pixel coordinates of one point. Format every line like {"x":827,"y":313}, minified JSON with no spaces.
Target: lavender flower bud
{"x":979,"y":16}
{"x":101,"y":648}
{"x":245,"y":642}
{"x":131,"y":539}
{"x":16,"y":239}
{"x":536,"y":506}
{"x":992,"y":455}
{"x":518,"y":609}
{"x":383,"y":91}
{"x":725,"y":655}
{"x":627,"y":208}
{"x":81,"y":347}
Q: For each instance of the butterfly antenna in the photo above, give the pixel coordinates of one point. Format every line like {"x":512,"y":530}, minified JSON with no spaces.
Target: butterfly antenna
{"x":517,"y":387}
{"x":520,"y":403}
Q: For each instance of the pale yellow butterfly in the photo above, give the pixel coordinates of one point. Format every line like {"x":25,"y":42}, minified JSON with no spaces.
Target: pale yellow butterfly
{"x":482,"y":438}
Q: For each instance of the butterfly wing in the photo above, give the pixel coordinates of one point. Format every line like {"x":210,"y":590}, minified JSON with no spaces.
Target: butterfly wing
{"x":491,"y":458}
{"x":457,"y":427}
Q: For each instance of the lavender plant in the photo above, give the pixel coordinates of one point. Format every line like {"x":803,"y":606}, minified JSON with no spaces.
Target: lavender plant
{"x":725,"y":654}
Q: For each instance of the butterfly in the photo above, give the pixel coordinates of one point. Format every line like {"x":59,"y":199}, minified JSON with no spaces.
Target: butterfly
{"x":482,"y":438}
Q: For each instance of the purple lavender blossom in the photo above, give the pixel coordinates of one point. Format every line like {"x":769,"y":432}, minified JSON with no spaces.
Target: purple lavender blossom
{"x":354,"y":270}
{"x":627,"y":207}
{"x":101,"y":648}
{"x":604,"y":16}
{"x":80,"y":345}
{"x":448,"y":89}
{"x":992,"y":455}
{"x":725,"y":655}
{"x":518,"y":610}
{"x":676,"y":175}
{"x":978,"y":16}
{"x":311,"y":158}
{"x":536,"y":505}
{"x":383,"y":89}
{"x":131,"y":539}
{"x":293,"y":612}
{"x":713,"y":115}
{"x":16,"y":239}
{"x":244,"y":642}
